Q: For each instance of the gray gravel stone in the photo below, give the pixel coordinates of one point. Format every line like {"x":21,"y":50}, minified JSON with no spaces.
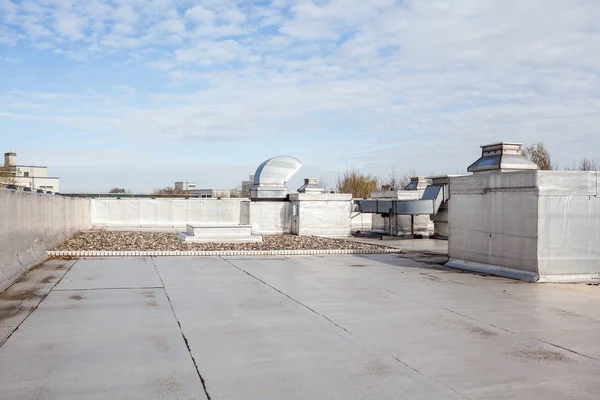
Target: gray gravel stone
{"x":160,"y":241}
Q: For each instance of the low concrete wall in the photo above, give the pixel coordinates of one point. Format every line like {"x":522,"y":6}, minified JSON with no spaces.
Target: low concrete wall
{"x":32,"y":223}
{"x":164,"y":213}
{"x":362,"y":222}
{"x":268,"y":217}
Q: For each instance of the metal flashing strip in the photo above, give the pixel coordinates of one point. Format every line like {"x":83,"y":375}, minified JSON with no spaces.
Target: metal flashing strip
{"x":200,"y":253}
{"x":496,"y":270}
{"x":570,"y":278}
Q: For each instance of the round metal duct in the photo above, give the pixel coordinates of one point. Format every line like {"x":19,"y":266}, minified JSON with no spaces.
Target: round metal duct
{"x":271,"y":176}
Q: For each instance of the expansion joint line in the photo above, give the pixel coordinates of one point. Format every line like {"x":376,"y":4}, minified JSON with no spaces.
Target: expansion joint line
{"x":338,"y":325}
{"x":515,"y":333}
{"x":185,"y":340}
{"x":289,"y":297}
{"x":35,"y":307}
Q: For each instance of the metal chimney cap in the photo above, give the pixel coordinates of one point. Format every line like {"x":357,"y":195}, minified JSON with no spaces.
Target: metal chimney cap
{"x":311,"y":186}
{"x":502,"y":156}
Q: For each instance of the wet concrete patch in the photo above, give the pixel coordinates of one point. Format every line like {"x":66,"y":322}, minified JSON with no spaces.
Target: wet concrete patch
{"x":544,"y":355}
{"x":22,"y":298}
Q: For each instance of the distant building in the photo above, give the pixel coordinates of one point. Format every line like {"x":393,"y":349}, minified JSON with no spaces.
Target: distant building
{"x":190,"y":188}
{"x":210,"y":193}
{"x":32,"y":176}
{"x":247,"y":185}
{"x":185,"y":186}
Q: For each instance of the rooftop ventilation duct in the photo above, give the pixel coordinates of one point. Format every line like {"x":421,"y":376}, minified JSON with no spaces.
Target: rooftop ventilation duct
{"x":417,"y":183}
{"x":271,"y":176}
{"x":311,"y":186}
{"x":503,"y":156}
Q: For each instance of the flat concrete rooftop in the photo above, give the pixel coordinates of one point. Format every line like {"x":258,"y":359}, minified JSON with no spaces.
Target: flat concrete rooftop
{"x":334,"y":327}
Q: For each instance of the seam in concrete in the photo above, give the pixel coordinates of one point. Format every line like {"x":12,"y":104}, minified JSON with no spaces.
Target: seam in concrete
{"x":35,"y":307}
{"x":516,"y":334}
{"x":288,"y":296}
{"x":199,"y":253}
{"x":569,"y":350}
{"x":185,"y":340}
{"x":341,"y":327}
{"x":110,"y":288}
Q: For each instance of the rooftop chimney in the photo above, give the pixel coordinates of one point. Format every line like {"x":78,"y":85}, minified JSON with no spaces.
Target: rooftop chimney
{"x":311,"y":186}
{"x":10,"y":159}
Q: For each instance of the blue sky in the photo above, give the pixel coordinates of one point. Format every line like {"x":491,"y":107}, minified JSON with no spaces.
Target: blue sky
{"x":140,"y":93}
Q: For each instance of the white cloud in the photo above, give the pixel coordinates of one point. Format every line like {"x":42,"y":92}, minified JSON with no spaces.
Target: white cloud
{"x":200,"y":14}
{"x":8,"y":36}
{"x":209,"y":53}
{"x":69,"y":24}
{"x":455,"y":73}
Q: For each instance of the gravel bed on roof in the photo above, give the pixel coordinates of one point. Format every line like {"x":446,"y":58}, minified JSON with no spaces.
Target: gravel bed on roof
{"x":161,"y":241}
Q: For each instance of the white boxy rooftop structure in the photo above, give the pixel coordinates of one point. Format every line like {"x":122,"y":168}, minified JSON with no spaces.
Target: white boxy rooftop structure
{"x":510,"y":219}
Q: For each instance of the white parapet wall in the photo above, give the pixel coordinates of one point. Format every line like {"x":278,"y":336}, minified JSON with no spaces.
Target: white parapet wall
{"x":32,"y":223}
{"x":360,"y":222}
{"x":164,"y":213}
{"x":267,"y":217}
{"x":533,"y":225}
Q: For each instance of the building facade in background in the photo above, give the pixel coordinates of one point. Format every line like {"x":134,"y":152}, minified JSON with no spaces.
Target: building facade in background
{"x":185,"y":186}
{"x":190,"y":188}
{"x":31,"y":176}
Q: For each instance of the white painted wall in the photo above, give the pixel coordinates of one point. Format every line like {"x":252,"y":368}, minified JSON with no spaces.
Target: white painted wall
{"x":269,"y":217}
{"x":568,"y":225}
{"x":51,"y":184}
{"x":34,"y":171}
{"x":164,"y":213}
{"x":32,"y":223}
{"x":492,"y":219}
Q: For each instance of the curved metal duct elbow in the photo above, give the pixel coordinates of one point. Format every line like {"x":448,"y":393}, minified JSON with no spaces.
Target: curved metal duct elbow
{"x":271,"y":176}
{"x":276,"y":171}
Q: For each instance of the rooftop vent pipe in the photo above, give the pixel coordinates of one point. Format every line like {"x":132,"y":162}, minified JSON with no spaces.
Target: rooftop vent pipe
{"x":311,"y":186}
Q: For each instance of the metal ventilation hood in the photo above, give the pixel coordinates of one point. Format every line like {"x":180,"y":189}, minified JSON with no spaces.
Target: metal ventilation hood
{"x":311,"y":186}
{"x":271,"y":176}
{"x":503,"y":156}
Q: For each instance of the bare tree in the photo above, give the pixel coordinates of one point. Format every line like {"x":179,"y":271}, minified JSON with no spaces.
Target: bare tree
{"x":538,"y":154}
{"x":587,"y":164}
{"x":323,"y":183}
{"x":397,"y":181}
{"x":238,"y":193}
{"x":168,"y":191}
{"x":118,"y":190}
{"x":7,"y":175}
{"x":359,"y":184}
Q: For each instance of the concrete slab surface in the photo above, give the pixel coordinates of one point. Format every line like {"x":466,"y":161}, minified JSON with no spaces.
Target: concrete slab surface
{"x":408,"y":245}
{"x":118,"y":273}
{"x":330,"y":327}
